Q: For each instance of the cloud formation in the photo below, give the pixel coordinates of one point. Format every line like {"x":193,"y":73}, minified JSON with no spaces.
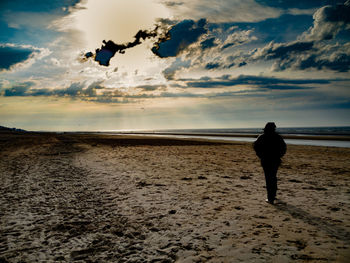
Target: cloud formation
{"x":104,"y":54}
{"x":97,"y":89}
{"x":305,"y":55}
{"x":19,"y":89}
{"x":214,"y":46}
{"x":211,"y":51}
{"x":179,"y":37}
{"x":208,"y":43}
{"x":169,"y":43}
{"x":282,"y":50}
{"x":238,"y":37}
{"x":311,"y":50}
{"x":12,"y":55}
{"x":76,"y":89}
{"x":329,"y":21}
{"x":222,"y":11}
{"x":292,"y":4}
{"x":170,"y":72}
{"x":255,"y":81}
{"x":333,"y":57}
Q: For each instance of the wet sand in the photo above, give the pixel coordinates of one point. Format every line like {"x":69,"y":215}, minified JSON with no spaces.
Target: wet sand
{"x":245,"y":135}
{"x":99,"y":198}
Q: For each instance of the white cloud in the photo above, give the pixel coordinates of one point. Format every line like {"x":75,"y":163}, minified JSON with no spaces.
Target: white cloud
{"x":239,"y":37}
{"x":222,"y":10}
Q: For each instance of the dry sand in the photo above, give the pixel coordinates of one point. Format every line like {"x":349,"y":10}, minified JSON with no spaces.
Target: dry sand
{"x":98,"y":198}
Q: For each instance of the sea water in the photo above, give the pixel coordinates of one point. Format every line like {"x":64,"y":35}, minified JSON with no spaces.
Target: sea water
{"x":331,"y":131}
{"x":229,"y":134}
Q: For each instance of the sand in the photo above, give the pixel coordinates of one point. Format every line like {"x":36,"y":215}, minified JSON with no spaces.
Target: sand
{"x":98,"y":198}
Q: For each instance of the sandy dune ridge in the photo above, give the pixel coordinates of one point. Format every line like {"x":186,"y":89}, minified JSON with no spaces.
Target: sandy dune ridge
{"x":98,"y":198}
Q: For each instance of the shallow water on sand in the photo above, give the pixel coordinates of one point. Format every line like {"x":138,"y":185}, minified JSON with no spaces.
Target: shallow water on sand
{"x":329,"y":143}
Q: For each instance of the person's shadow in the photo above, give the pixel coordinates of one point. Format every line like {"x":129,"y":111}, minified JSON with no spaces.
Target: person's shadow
{"x":320,"y":223}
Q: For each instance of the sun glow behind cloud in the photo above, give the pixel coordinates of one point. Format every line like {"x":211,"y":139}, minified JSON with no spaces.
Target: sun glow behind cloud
{"x":119,"y":20}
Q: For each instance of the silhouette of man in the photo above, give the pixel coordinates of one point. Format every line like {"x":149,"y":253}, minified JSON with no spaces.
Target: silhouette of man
{"x":270,"y":147}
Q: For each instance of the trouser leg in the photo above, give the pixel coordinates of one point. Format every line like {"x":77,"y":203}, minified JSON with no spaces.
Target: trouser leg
{"x":270,"y":171}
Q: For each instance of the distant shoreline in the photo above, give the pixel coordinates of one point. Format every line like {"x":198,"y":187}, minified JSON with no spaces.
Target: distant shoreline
{"x":244,"y":135}
{"x":327,"y":140}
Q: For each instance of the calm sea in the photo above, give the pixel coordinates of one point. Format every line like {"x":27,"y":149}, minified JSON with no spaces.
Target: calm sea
{"x":331,"y":131}
{"x":236,"y":135}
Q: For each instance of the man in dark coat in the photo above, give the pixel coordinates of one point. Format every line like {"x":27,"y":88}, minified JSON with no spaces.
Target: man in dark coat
{"x":270,"y":147}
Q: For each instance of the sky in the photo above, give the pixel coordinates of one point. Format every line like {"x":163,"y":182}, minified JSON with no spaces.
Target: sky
{"x":68,"y":65}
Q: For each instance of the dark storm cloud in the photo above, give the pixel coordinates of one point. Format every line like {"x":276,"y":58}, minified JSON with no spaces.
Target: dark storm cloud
{"x":104,"y":54}
{"x":258,"y":81}
{"x":179,"y":37}
{"x":12,"y":55}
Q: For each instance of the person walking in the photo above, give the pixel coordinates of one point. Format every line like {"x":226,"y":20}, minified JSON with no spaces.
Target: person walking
{"x":270,"y":148}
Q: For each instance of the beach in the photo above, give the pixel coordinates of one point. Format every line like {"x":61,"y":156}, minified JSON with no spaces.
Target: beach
{"x":104,"y":198}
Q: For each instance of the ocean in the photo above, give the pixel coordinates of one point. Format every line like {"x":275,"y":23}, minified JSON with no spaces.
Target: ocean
{"x":317,"y":136}
{"x":330,"y":131}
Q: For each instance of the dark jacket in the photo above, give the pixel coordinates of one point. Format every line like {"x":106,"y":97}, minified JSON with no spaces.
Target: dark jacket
{"x":270,"y":146}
